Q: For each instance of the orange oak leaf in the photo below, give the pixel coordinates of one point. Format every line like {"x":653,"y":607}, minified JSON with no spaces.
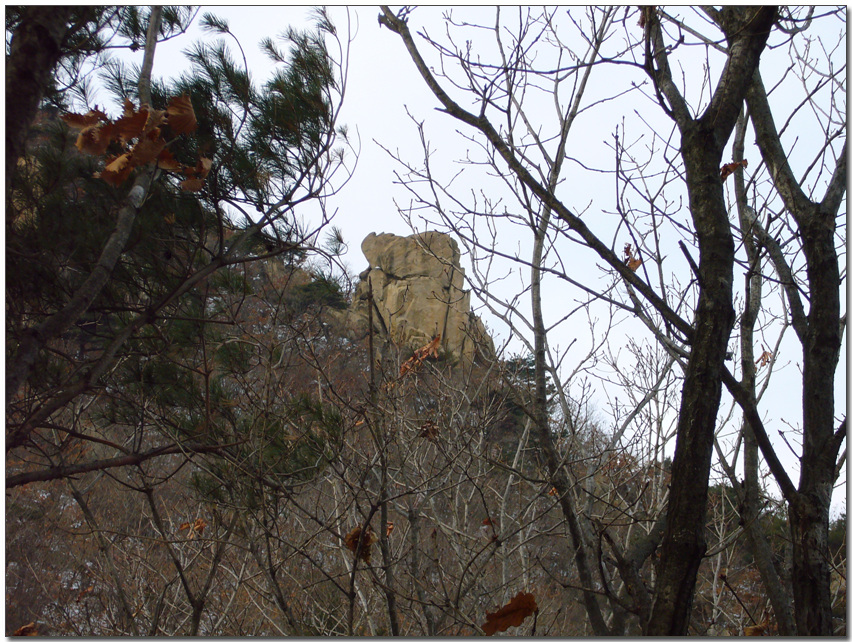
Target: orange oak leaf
{"x":513,"y":614}
{"x":26,"y":630}
{"x":192,"y":184}
{"x":117,"y":169}
{"x":82,"y":121}
{"x":95,"y":139}
{"x":430,"y":349}
{"x":143,"y":126}
{"x":407,"y":367}
{"x":201,"y":169}
{"x":195,"y":175}
{"x":148,"y":148}
{"x":389,"y":528}
{"x":197,"y":526}
{"x":167,"y":161}
{"x":181,"y":115}
{"x":131,"y":125}
{"x":730,"y":168}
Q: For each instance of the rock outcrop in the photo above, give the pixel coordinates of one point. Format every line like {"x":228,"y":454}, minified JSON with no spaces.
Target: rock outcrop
{"x":417,"y":284}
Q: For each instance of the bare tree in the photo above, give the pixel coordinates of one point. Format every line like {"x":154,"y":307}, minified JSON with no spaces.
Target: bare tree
{"x":704,"y":129}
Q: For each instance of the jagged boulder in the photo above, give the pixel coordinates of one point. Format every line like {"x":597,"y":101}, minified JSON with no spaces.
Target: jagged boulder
{"x":418,"y":291}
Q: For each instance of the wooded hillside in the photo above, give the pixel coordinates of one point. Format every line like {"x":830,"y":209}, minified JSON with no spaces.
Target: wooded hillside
{"x":213,"y":428}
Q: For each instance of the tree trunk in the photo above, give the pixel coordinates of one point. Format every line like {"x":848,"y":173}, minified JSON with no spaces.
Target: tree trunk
{"x":809,"y":514}
{"x":811,"y":570}
{"x":545,"y":440}
{"x":821,"y":336}
{"x":702,"y":143}
{"x":33,"y":53}
{"x":776,"y":590}
{"x":683,"y":544}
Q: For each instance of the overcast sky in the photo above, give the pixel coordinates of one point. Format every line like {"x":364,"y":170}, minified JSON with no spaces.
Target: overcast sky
{"x":383,"y":88}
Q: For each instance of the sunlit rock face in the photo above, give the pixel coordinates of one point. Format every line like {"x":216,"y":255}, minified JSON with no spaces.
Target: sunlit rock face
{"x":418,"y":290}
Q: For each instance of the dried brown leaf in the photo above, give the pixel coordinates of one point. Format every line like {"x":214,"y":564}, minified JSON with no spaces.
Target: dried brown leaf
{"x":129,"y":107}
{"x":512,"y":614}
{"x":633,"y":262}
{"x":196,"y":527}
{"x":407,"y":367}
{"x":429,"y":350}
{"x":131,"y":125}
{"x":81,"y":121}
{"x":181,"y":115}
{"x":148,"y":148}
{"x":192,"y":185}
{"x":117,"y":169}
{"x":167,"y":161}
{"x":26,"y":630}
{"x":354,"y":536}
{"x":764,"y":359}
{"x":200,"y":170}
{"x":203,"y":167}
{"x":96,"y":138}
{"x":729,"y":168}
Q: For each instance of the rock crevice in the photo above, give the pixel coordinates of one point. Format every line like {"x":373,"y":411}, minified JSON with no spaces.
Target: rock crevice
{"x":418,"y":291}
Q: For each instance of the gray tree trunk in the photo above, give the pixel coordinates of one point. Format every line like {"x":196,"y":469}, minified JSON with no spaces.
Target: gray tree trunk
{"x":702,"y":144}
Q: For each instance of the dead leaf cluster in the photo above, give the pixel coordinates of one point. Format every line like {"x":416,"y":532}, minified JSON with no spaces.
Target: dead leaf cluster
{"x":139,"y":138}
{"x":764,"y":359}
{"x":729,"y":168}
{"x":512,"y":614}
{"x":633,"y":262}
{"x":354,"y":536}
{"x":195,"y":528}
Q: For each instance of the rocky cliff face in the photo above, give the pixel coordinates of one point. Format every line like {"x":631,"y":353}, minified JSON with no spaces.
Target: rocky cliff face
{"x":418,"y":292}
